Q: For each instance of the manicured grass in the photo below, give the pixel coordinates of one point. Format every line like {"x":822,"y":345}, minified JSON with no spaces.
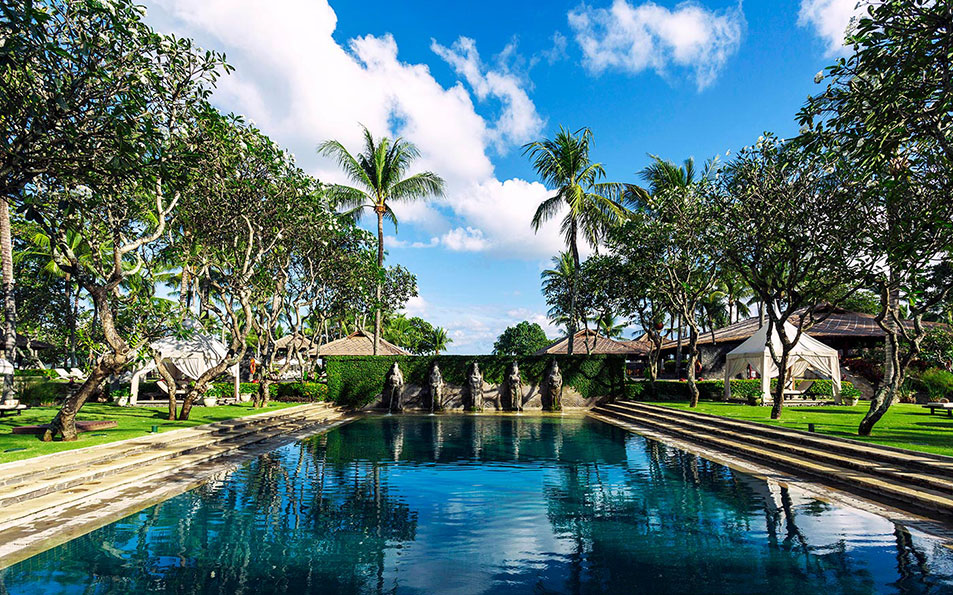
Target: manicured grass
{"x":904,"y":426}
{"x":132,"y":422}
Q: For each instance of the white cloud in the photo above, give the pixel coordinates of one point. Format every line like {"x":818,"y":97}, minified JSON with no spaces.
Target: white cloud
{"x":636,"y":38}
{"x":464,"y":240}
{"x":830,"y":20}
{"x":518,"y":121}
{"x":301,"y":86}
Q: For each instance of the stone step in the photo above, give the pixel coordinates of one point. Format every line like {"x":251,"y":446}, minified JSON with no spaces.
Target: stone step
{"x":895,"y":471}
{"x":81,"y":493}
{"x":897,"y":493}
{"x":36,"y":468}
{"x":927,"y":462}
{"x":62,"y":479}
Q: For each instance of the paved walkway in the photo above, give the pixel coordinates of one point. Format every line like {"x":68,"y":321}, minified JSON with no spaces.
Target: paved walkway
{"x":48,"y":500}
{"x":917,"y":482}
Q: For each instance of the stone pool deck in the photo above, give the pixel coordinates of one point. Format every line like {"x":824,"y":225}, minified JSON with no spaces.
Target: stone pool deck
{"x":48,"y":500}
{"x":915,"y":482}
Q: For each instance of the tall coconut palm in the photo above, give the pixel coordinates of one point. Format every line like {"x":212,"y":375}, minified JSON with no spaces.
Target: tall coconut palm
{"x":439,"y":339}
{"x":610,"y":326}
{"x":378,"y":175}
{"x":563,"y":163}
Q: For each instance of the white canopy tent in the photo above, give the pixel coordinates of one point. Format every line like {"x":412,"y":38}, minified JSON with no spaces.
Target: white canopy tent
{"x":186,"y":358}
{"x":807,"y":354}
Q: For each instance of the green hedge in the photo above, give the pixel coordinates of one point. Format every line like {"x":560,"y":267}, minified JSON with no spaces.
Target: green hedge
{"x":43,"y":393}
{"x":713,"y":390}
{"x":300,"y":392}
{"x":226,"y":390}
{"x":354,"y":381}
{"x":48,"y":374}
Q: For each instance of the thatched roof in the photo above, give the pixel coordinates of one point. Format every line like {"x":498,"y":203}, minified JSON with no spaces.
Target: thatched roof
{"x":640,"y":346}
{"x":359,"y":343}
{"x":596,"y":344}
{"x":838,"y":324}
{"x":301,"y":344}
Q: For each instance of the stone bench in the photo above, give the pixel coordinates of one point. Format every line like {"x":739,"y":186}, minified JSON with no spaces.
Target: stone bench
{"x":5,"y":409}
{"x":934,"y":406}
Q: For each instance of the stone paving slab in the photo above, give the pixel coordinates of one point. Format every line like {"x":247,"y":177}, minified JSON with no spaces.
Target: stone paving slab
{"x":927,"y":461}
{"x":16,"y":471}
{"x":898,"y":492}
{"x":897,"y":469}
{"x":24,"y":533}
{"x":771,"y":473}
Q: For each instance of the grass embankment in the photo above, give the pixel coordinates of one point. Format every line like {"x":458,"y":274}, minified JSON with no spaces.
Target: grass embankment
{"x":132,"y":422}
{"x":904,"y":426}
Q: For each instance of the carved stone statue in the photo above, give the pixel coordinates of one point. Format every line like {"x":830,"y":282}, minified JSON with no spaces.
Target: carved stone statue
{"x":393,"y":387}
{"x":475,"y":385}
{"x":436,"y":389}
{"x":514,"y":389}
{"x":554,"y":389}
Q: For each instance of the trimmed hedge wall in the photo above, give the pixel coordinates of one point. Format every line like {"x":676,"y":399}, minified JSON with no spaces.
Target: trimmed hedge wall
{"x":713,"y":390}
{"x":300,"y":392}
{"x":355,"y":380}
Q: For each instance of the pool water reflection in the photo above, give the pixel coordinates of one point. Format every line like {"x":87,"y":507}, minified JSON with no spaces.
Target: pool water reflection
{"x":468,"y":504}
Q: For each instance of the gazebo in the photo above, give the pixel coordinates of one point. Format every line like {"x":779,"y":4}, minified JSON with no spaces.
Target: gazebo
{"x":807,"y":354}
{"x":186,"y":358}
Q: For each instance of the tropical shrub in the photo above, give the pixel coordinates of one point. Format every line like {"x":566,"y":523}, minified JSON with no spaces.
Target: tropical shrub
{"x":938,"y":383}
{"x":300,"y":392}
{"x":713,"y":390}
{"x":43,"y":393}
{"x":225,"y":390}
{"x":870,"y":370}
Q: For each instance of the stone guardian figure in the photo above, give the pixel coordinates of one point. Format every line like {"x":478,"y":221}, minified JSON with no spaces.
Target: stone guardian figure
{"x":475,"y":385}
{"x":554,"y":389}
{"x":393,"y":387}
{"x":436,"y":389}
{"x":514,"y":389}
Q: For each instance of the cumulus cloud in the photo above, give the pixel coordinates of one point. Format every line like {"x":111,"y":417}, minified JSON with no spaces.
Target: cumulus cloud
{"x":648,"y":36}
{"x":302,"y":86}
{"x":830,"y":20}
{"x":518,"y":121}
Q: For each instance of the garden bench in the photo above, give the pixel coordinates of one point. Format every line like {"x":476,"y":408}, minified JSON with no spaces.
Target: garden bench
{"x":934,"y":406}
{"x":4,"y":409}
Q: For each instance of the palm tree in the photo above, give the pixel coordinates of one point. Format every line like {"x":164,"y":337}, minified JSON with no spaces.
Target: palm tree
{"x":563,"y":163}
{"x":610,"y":326}
{"x":378,"y":174}
{"x":40,"y":247}
{"x":439,"y":340}
{"x":557,"y":283}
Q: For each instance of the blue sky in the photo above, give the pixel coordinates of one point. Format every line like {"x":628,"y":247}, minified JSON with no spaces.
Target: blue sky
{"x":469,"y":83}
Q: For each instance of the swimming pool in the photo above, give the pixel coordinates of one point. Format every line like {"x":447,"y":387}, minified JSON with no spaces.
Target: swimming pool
{"x":490,"y":504}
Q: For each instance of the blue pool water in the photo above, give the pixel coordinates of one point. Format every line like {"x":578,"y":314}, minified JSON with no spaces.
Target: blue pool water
{"x":467,"y":504}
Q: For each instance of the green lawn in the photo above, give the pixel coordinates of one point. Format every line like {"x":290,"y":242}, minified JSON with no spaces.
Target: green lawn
{"x":132,"y":422}
{"x":904,"y":426}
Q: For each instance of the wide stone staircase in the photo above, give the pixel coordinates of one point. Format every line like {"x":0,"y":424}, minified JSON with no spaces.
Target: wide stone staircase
{"x":918,"y":482}
{"x":81,"y":486}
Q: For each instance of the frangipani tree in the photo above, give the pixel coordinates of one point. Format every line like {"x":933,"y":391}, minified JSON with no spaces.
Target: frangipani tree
{"x":792,"y":232}
{"x":379,"y":175}
{"x":884,"y":123}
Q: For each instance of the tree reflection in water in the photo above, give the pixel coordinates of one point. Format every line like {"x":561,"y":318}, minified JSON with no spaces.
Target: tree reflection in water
{"x":472,"y":504}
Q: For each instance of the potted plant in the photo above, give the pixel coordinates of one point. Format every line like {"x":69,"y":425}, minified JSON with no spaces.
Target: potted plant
{"x":209,"y":400}
{"x":122,"y":396}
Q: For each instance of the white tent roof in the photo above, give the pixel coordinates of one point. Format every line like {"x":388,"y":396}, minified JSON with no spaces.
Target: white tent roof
{"x":758,"y":343}
{"x":192,"y":356}
{"x":807,"y":353}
